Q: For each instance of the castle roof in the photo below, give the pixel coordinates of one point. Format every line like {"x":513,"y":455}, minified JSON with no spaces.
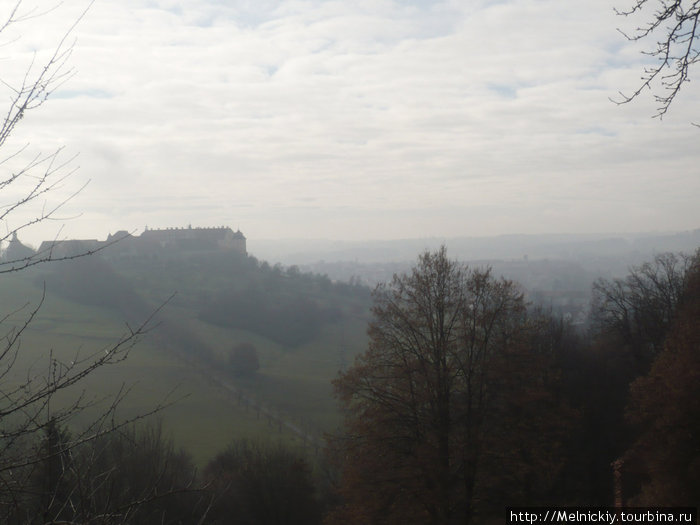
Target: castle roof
{"x":215,"y":233}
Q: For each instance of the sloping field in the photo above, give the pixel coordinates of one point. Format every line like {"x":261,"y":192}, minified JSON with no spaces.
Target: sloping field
{"x":290,"y":398}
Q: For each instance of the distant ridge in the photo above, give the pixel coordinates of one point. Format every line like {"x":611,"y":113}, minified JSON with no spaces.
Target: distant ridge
{"x":633,"y":246}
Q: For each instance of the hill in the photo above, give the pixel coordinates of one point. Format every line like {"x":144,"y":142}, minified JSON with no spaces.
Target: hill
{"x":303,"y":327}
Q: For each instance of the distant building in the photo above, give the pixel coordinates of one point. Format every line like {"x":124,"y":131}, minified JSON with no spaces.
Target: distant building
{"x":16,"y":251}
{"x":195,"y":239}
{"x":70,"y":248}
{"x":172,"y":240}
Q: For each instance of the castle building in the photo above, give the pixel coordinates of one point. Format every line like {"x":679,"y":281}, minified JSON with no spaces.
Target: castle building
{"x":193,"y":239}
{"x":171,"y":240}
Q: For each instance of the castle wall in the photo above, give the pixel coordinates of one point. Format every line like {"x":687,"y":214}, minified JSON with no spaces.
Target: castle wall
{"x":177,"y":239}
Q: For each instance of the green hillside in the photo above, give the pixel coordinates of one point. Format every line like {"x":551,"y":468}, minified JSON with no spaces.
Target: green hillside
{"x":303,"y":327}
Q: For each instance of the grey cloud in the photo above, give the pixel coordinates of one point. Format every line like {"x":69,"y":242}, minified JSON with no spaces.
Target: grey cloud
{"x":375,"y":106}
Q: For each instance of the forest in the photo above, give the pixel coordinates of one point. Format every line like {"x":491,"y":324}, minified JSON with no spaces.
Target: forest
{"x":465,"y":399}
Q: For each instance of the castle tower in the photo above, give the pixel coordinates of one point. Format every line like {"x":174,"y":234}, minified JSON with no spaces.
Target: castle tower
{"x":16,"y":251}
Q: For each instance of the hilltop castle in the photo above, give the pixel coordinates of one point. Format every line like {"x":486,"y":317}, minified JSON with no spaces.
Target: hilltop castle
{"x":190,"y":239}
{"x":150,"y":242}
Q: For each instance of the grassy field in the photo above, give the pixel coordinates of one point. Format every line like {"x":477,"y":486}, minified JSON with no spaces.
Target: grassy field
{"x":210,"y":408}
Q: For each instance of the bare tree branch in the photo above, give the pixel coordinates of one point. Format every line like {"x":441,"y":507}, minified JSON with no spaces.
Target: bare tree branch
{"x":674,"y":27}
{"x":51,"y":469}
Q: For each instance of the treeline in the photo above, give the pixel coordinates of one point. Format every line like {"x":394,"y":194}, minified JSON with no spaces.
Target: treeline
{"x":93,"y":281}
{"x":285,"y":305}
{"x":134,"y":475}
{"x":468,"y":401}
{"x":282,"y":304}
{"x":284,"y":318}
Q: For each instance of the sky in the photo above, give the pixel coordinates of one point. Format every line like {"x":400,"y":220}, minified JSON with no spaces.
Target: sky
{"x":347,"y":120}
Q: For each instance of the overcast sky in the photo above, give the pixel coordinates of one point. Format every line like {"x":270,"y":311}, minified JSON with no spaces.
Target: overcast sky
{"x":353,"y":120}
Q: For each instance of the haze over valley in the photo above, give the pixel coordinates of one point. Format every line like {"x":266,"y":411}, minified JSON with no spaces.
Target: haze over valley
{"x":324,"y":262}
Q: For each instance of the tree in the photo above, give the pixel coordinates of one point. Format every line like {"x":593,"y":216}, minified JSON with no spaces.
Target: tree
{"x":35,"y":447}
{"x":133,"y":476}
{"x":639,"y":309}
{"x":256,"y":484}
{"x":51,"y":477}
{"x":634,"y":318}
{"x":430,"y":407}
{"x":674,"y":26}
{"x":243,"y":359}
{"x":662,"y":466}
{"x":631,"y":318}
{"x":40,"y":175}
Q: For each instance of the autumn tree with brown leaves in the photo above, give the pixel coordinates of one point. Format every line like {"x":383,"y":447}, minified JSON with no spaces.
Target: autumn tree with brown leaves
{"x":633,"y":320}
{"x":662,"y":467}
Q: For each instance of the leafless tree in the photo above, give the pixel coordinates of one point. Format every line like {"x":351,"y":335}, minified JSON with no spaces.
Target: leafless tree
{"x":673,"y":25}
{"x":28,"y":179}
{"x":36,"y":403}
{"x":434,"y":406}
{"x":262,"y":484}
{"x":34,"y":422}
{"x":639,"y":309}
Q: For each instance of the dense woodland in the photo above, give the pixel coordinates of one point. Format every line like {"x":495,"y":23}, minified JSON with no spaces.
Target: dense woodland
{"x":467,"y":399}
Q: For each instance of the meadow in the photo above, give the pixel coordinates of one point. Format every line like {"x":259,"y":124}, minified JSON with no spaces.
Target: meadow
{"x":181,"y":363}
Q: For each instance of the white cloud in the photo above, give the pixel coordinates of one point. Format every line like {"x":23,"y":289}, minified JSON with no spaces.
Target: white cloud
{"x":352,"y":119}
